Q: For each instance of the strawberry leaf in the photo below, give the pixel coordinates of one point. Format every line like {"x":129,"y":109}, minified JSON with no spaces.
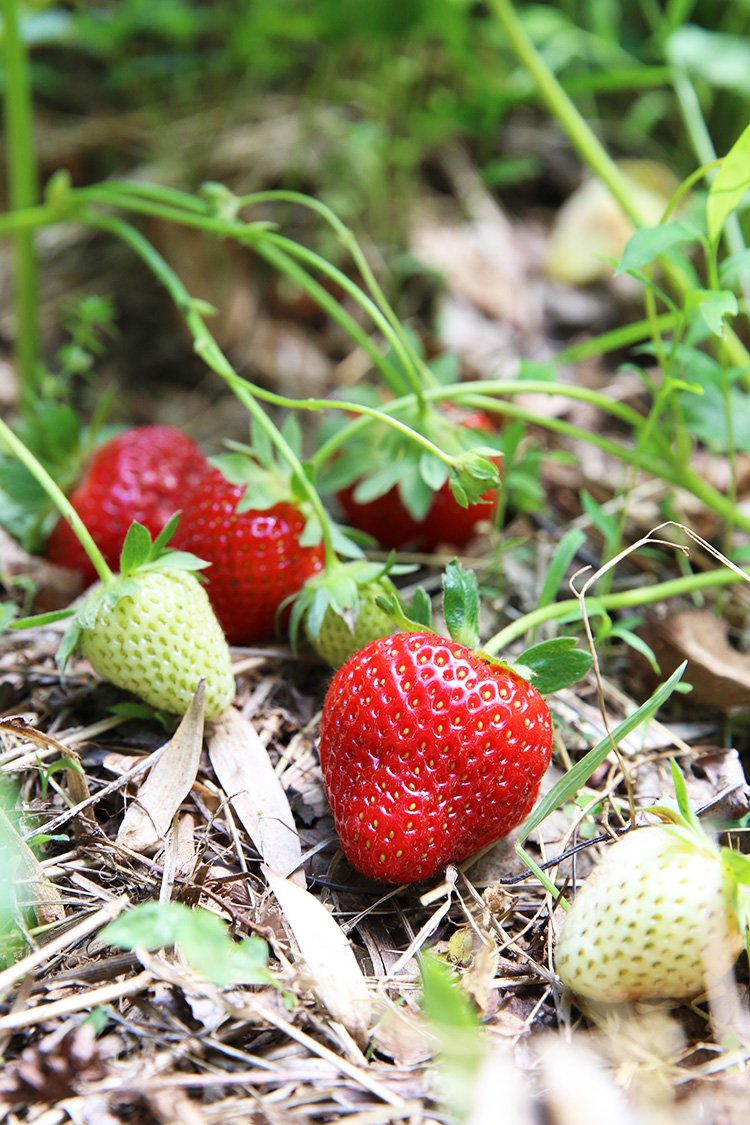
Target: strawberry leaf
{"x":68,"y":644}
{"x":419,"y":608}
{"x":35,"y":620}
{"x":165,"y":535}
{"x":461,"y":604}
{"x":136,"y":549}
{"x":416,"y":494}
{"x":554,"y":664}
{"x":433,"y":471}
{"x":175,"y":560}
{"x":682,"y":797}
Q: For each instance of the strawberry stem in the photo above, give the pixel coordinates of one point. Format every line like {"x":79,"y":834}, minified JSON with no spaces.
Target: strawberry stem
{"x":59,"y":499}
{"x":623,"y":599}
{"x":207,"y":348}
{"x":22,"y":190}
{"x":418,"y":372}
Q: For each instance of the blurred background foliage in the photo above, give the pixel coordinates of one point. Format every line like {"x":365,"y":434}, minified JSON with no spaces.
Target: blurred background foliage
{"x":401,"y":78}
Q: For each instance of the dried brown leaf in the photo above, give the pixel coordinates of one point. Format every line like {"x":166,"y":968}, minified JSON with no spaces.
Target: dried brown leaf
{"x":336,"y":977}
{"x":148,"y":818}
{"x":54,"y":1069}
{"x":241,"y":763}
{"x":719,"y":674}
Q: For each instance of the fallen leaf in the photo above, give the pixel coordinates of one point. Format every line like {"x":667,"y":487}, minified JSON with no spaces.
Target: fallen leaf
{"x":150,"y":814}
{"x":719,"y":674}
{"x":241,"y":763}
{"x":336,"y":977}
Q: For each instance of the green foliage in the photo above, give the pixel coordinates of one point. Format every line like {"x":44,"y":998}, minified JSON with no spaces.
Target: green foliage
{"x":453,"y":1021}
{"x":201,"y":938}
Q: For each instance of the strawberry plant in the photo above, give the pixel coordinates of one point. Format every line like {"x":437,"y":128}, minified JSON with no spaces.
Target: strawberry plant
{"x":390,"y":488}
{"x":431,"y":750}
{"x":663,"y":915}
{"x":345,"y":607}
{"x":141,"y":475}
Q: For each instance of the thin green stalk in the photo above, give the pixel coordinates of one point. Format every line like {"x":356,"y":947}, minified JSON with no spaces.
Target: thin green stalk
{"x":276,"y":249}
{"x":58,"y":498}
{"x":287,"y":266}
{"x":590,"y":148}
{"x":22,"y":193}
{"x":615,"y":339}
{"x":418,"y":371}
{"x":295,"y":250}
{"x":566,"y":112}
{"x":207,"y":348}
{"x":624,"y":599}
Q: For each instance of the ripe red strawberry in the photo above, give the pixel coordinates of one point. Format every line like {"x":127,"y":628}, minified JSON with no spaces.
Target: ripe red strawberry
{"x":394,"y":518}
{"x":142,"y":475}
{"x":429,"y":752}
{"x":259,"y":556}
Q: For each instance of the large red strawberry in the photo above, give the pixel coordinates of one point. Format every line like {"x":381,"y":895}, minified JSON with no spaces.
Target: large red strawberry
{"x":429,"y":751}
{"x":141,"y":475}
{"x":261,"y":549}
{"x":414,"y":512}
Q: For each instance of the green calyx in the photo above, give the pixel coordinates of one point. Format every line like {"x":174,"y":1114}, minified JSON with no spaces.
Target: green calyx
{"x":346,"y":606}
{"x":688,"y":832}
{"x":549,"y":666}
{"x":379,"y":458}
{"x":140,"y":555}
{"x":267,"y":480}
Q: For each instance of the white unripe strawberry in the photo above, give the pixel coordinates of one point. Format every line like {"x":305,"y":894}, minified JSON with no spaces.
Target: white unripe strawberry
{"x":158,"y":640}
{"x":656,"y":919}
{"x":151,"y":629}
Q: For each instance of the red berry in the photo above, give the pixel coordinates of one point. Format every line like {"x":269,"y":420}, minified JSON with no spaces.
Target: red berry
{"x":256,"y":557}
{"x":142,"y":474}
{"x":429,"y":752}
{"x":389,"y":522}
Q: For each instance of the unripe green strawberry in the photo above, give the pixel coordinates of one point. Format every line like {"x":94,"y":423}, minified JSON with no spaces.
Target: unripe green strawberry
{"x":151,"y":630}
{"x":158,"y":639}
{"x":341,"y":635}
{"x":340,"y":612}
{"x":656,"y":919}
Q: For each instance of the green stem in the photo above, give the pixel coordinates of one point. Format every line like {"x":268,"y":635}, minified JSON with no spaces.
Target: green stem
{"x":277,"y":250}
{"x":260,"y":242}
{"x":590,"y":148}
{"x":566,"y":113}
{"x":22,"y":193}
{"x":615,"y":339}
{"x":624,"y":599}
{"x":59,"y":499}
{"x":286,"y":265}
{"x":417,"y":372}
{"x":208,"y":349}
